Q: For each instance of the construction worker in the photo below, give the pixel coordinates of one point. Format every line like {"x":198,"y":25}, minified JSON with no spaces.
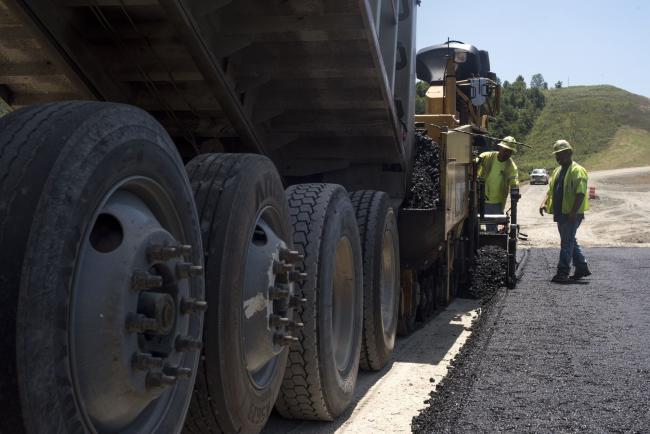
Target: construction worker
{"x":499,"y":173}
{"x":566,"y":198}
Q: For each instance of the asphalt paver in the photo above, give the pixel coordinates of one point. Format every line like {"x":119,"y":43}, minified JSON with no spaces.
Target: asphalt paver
{"x":555,"y":358}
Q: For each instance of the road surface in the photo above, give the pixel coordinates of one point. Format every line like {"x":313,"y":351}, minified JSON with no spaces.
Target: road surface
{"x":556,"y":358}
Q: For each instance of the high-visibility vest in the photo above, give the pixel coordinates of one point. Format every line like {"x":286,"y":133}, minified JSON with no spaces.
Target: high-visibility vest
{"x":575,"y":182}
{"x":510,"y":172}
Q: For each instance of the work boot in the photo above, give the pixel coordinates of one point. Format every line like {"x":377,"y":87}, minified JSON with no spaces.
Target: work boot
{"x":560,"y":278}
{"x":580,"y":273}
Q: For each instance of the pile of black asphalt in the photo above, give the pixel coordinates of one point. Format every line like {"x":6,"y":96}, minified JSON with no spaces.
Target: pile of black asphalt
{"x":488,"y":273}
{"x":424,"y":186}
{"x":555,"y":358}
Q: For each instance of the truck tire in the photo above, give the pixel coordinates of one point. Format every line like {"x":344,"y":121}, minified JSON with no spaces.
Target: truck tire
{"x":322,"y":369}
{"x":381,"y":276}
{"x":96,"y":219}
{"x":245,"y":226}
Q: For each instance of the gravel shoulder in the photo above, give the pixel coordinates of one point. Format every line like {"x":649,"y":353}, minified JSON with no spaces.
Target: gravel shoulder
{"x":387,"y":400}
{"x":556,"y":358}
{"x":618,"y":217}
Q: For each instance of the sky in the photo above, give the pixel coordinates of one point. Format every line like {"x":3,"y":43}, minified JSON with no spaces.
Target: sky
{"x":576,"y":42}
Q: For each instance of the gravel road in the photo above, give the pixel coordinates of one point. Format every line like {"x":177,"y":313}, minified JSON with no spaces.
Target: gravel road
{"x":556,"y":358}
{"x":618,"y":217}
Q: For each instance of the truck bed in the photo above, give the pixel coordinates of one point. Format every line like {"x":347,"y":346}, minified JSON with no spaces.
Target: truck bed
{"x":310,"y":83}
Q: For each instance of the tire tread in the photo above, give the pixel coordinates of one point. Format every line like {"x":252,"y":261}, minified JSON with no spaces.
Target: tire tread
{"x":16,"y":157}
{"x":301,"y":395}
{"x":366,"y":206}
{"x":207,"y":174}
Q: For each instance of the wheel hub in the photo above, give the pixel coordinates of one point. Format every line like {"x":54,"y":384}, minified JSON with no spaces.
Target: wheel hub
{"x":343,"y":303}
{"x":268,"y":301}
{"x":131,"y":313}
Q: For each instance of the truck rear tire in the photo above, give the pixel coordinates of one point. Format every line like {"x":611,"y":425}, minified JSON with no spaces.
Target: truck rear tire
{"x":322,"y":369}
{"x":245,"y":225}
{"x":94,"y":338}
{"x":381,"y":276}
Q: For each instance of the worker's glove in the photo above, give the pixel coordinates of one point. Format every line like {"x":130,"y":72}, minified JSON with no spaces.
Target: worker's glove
{"x":541,"y":210}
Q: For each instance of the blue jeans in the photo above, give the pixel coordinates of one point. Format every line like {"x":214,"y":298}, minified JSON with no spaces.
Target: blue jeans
{"x":493,"y":208}
{"x":570,"y":250}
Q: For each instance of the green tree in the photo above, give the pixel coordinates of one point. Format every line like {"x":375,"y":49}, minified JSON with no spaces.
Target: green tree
{"x":520,"y":107}
{"x":558,"y":85}
{"x":537,"y":82}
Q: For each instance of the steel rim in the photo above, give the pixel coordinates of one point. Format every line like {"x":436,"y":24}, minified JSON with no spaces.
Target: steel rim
{"x":343,"y":303}
{"x":135,"y":319}
{"x":388,"y":277}
{"x":268,"y":298}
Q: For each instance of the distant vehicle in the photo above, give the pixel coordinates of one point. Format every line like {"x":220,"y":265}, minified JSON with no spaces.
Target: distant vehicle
{"x":539,"y":176}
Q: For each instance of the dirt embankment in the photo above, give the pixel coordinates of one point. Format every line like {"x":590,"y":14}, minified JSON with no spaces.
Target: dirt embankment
{"x":620,"y":215}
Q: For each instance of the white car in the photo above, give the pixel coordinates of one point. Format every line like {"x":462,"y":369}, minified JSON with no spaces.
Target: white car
{"x":539,"y":176}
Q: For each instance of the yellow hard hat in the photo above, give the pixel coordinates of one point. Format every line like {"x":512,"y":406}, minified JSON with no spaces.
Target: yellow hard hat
{"x":561,"y":145}
{"x":509,"y":143}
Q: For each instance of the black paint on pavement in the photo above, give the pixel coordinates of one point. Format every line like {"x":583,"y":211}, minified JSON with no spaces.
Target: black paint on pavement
{"x":555,"y":358}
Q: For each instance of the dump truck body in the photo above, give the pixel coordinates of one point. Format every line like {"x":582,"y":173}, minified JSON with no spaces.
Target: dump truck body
{"x":323,"y":88}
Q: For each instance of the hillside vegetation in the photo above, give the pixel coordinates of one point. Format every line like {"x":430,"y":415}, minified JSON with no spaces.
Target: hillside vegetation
{"x":607,"y":126}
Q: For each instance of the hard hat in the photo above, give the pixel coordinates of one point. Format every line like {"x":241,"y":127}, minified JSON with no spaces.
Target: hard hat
{"x":561,"y":145}
{"x":509,"y":143}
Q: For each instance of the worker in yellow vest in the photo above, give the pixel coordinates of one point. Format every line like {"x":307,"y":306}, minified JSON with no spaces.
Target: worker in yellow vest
{"x":566,"y":198}
{"x":499,"y":173}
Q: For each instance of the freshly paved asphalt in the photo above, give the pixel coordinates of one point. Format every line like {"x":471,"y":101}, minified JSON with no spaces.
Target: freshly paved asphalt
{"x":556,"y":358}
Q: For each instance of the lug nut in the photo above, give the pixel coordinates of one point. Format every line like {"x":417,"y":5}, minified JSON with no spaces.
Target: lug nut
{"x":186,"y":343}
{"x":296,"y":301}
{"x":162,"y":253}
{"x":279,"y":294}
{"x":192,"y":305}
{"x":144,"y":361}
{"x":138,"y":323}
{"x":291,"y":256}
{"x":295,"y":326}
{"x":158,"y":379}
{"x":280,"y":267}
{"x":178,"y":372}
{"x":297,"y":276}
{"x":144,"y":280}
{"x":186,"y":269}
{"x":278,"y":321}
{"x":186,"y":250}
{"x":284,"y":340}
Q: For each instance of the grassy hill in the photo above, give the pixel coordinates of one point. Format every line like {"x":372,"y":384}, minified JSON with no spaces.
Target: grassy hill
{"x":607,"y":126}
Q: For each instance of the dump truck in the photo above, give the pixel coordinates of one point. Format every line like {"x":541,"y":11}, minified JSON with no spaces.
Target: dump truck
{"x":202,"y":206}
